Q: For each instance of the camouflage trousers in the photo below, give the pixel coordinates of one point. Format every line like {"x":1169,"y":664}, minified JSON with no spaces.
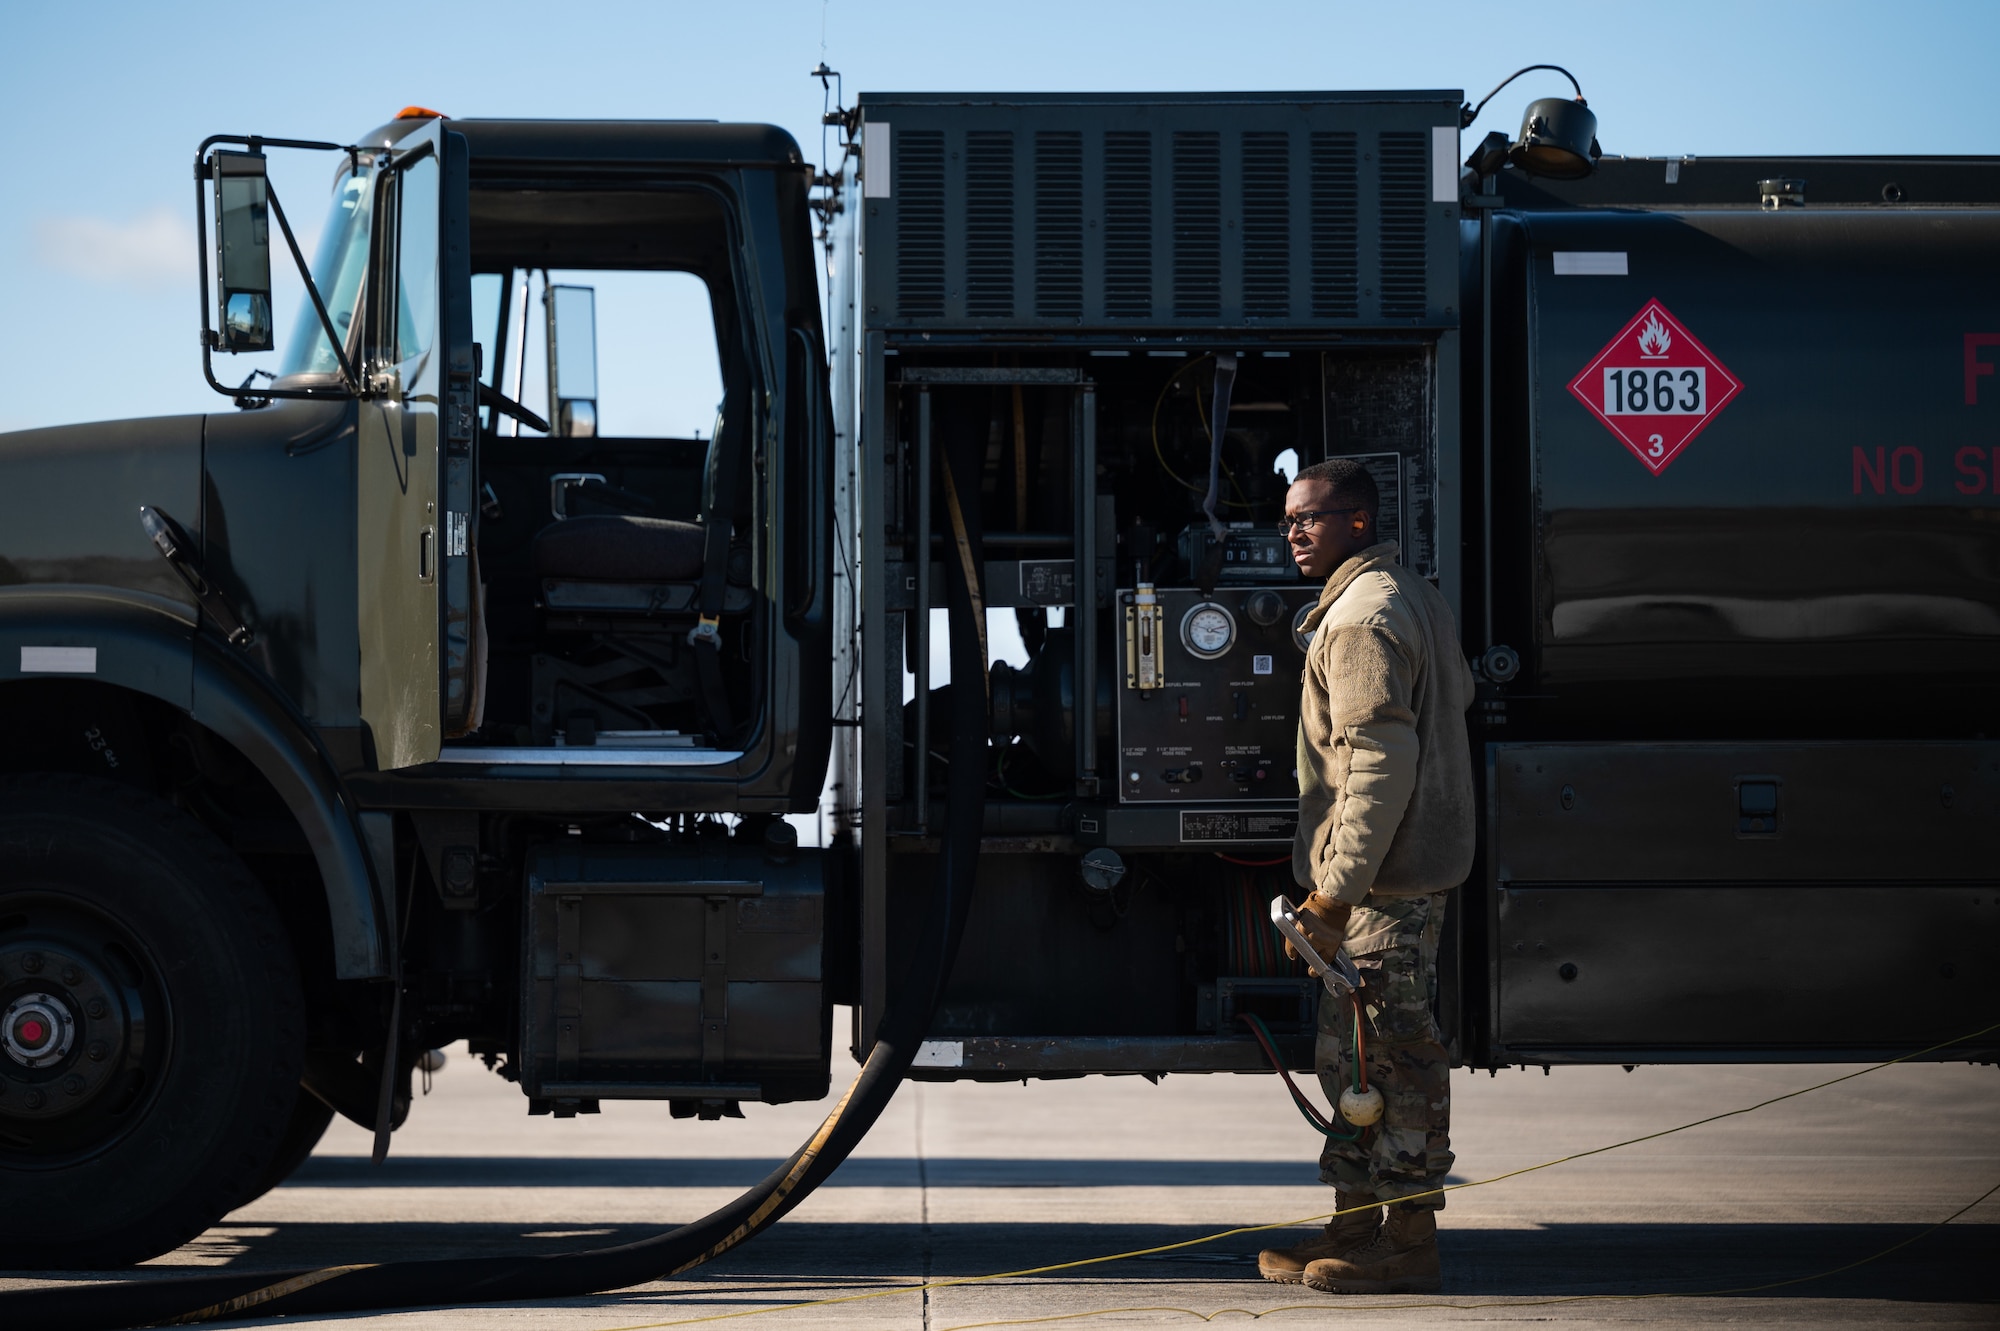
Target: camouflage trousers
{"x":1394,"y":943}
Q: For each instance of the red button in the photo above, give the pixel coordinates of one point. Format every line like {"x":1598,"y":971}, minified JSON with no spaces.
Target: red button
{"x":33,"y":1032}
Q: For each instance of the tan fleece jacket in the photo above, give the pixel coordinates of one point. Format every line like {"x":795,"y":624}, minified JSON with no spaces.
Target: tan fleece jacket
{"x":1385,"y":769}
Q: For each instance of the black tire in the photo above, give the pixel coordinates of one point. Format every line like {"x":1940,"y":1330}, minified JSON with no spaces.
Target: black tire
{"x":126,"y":924}
{"x":311,"y":1117}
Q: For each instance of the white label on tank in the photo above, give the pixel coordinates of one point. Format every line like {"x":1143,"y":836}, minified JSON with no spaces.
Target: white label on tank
{"x":940,"y":1054}
{"x":874,"y":159}
{"x":58,"y":660}
{"x":1647,"y":390}
{"x":1590,"y":263}
{"x":1444,"y":164}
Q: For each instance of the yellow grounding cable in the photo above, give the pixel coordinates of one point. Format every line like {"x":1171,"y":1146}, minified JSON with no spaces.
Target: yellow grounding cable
{"x":1344,"y":1302}
{"x":1340,"y":1303}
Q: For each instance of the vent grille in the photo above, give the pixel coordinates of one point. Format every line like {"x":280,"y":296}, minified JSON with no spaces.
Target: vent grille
{"x":919,"y":176}
{"x":1135,"y":215}
{"x":1128,"y":225}
{"x":1336,"y":227}
{"x":989,"y":223}
{"x":1197,"y":225}
{"x":1403,"y":195}
{"x":1059,"y":225}
{"x":1267,"y":225}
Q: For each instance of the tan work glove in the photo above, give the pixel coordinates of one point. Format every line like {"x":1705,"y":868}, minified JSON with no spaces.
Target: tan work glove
{"x":1324,"y":923}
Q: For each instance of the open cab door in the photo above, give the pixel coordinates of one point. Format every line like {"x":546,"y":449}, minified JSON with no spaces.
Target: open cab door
{"x":415,"y":468}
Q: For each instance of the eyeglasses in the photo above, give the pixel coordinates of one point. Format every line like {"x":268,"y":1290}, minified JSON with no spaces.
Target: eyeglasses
{"x":1294,"y":521}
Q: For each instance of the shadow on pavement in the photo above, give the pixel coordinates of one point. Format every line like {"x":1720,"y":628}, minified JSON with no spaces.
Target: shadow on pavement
{"x":1953,"y":1265}
{"x":450,"y":1171}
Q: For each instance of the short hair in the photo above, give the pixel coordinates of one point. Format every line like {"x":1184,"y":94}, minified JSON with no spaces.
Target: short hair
{"x":1353,"y":485}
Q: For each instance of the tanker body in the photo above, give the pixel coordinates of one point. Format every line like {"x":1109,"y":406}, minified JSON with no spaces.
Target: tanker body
{"x":1741,"y":435}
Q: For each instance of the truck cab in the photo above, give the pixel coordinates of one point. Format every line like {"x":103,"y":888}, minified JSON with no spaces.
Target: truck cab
{"x":383,"y":629}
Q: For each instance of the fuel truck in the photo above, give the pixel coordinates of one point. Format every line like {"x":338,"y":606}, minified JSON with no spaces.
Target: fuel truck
{"x":383,"y":707}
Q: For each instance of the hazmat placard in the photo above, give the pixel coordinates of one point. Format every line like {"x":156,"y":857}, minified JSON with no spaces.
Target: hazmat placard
{"x":1655,"y":386}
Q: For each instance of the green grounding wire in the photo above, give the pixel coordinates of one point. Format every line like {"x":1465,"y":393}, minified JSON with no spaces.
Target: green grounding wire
{"x":1323,"y":1126}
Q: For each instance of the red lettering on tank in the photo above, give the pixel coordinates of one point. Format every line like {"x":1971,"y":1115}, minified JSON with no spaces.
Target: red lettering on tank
{"x":1916,"y":470}
{"x":1972,"y":467}
{"x":1874,"y":473}
{"x":1975,"y":368}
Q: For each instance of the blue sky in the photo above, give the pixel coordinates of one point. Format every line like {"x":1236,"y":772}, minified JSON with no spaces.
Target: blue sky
{"x":96,"y":235}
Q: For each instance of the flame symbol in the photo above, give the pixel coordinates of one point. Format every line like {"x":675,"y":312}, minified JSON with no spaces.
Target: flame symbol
{"x":1654,"y":339}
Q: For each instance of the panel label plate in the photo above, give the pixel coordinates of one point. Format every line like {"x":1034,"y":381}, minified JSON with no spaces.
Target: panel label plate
{"x":1210,"y":825}
{"x":1048,"y":581}
{"x":940,"y":1054}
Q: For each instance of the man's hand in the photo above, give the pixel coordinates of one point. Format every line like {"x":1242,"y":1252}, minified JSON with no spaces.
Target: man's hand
{"x":1324,"y":923}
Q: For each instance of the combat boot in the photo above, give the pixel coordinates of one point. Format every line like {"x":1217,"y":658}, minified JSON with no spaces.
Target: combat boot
{"x":1343,"y":1234}
{"x":1402,"y":1259}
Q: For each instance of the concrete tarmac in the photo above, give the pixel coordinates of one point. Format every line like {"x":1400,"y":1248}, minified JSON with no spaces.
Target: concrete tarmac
{"x":961,"y":1180}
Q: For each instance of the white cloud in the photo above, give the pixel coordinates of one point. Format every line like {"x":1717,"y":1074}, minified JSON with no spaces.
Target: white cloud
{"x":153,"y":249}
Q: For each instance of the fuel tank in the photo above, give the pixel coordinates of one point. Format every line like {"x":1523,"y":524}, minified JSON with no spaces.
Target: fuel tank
{"x":1748,"y":445}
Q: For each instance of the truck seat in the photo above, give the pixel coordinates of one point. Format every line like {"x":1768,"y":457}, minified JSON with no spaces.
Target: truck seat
{"x":624,"y":589}
{"x":618,"y":547}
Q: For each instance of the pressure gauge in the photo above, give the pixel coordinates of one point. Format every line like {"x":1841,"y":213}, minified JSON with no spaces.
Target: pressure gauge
{"x":1208,"y":630}
{"x":1301,"y":637}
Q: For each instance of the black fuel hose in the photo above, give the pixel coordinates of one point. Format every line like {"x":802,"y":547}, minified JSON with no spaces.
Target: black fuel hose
{"x":513,"y":1277}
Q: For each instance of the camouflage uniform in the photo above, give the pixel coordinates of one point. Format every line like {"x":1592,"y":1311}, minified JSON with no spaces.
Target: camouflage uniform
{"x":1394,"y":942}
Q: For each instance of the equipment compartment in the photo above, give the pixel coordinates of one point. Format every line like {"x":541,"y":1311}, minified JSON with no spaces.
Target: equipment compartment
{"x":669,"y":972}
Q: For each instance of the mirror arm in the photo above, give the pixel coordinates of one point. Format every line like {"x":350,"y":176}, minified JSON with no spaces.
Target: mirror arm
{"x":258,"y":142}
{"x":208,"y":337}
{"x":507,"y":406}
{"x":333,"y":338}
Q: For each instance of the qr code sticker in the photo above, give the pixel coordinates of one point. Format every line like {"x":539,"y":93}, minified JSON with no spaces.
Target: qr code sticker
{"x":1260,"y":665}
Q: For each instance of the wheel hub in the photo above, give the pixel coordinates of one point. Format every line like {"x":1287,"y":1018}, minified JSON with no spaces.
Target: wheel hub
{"x":37,"y":1030}
{"x":64,"y":1030}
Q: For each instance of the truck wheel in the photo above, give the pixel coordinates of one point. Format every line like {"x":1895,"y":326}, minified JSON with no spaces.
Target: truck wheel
{"x":152,"y":1030}
{"x":311,"y":1116}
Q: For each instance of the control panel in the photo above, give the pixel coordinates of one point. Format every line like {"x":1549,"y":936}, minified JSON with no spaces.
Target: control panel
{"x":1250,"y":553}
{"x":1208,"y":702}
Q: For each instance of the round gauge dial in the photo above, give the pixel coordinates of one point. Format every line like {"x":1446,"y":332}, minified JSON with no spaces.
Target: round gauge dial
{"x":1208,"y":630}
{"x":1300,"y":637}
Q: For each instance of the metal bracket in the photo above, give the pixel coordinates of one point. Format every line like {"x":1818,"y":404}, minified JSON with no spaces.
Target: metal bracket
{"x":569,"y":986}
{"x":562,"y":483}
{"x":715,"y":982}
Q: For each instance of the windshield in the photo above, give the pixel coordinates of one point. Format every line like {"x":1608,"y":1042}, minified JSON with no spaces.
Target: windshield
{"x":337,"y":270}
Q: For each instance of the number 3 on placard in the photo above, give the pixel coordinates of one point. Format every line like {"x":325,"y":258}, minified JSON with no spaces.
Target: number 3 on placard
{"x":1655,"y":446}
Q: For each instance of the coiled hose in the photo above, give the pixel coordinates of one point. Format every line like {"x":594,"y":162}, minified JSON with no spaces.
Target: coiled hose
{"x":185,"y":1300}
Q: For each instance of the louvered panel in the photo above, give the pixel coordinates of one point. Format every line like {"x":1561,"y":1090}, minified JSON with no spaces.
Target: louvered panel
{"x":1267,"y":225}
{"x":1336,"y":227}
{"x":919,"y":174}
{"x":1403,"y":194}
{"x":1197,"y":205}
{"x":989,"y":224}
{"x":1128,"y":225}
{"x":1059,"y":224}
{"x":1158,"y":215}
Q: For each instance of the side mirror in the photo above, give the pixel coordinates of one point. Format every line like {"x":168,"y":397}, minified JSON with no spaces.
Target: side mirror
{"x":243,"y":251}
{"x":572,"y":328}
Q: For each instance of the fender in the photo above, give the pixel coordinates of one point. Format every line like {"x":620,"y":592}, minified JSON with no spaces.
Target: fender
{"x":152,"y":645}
